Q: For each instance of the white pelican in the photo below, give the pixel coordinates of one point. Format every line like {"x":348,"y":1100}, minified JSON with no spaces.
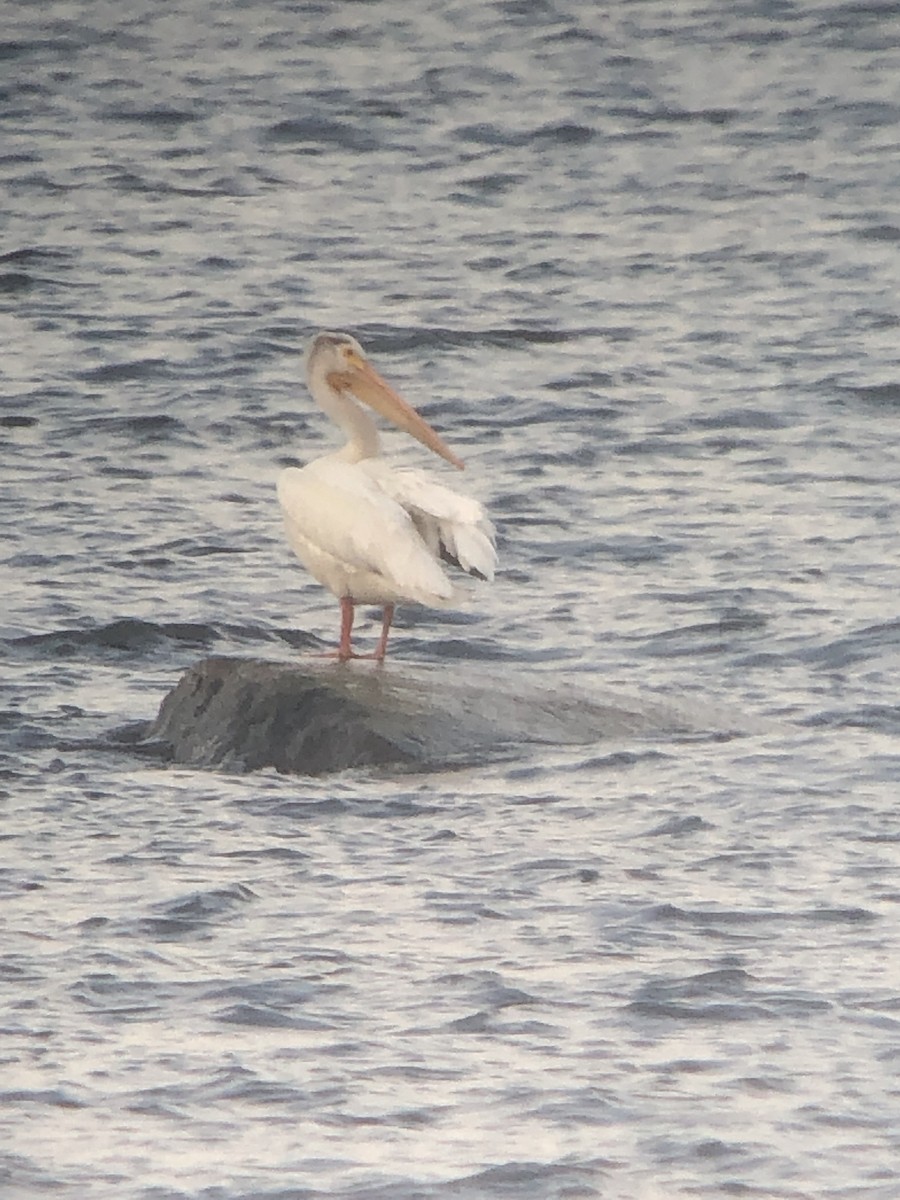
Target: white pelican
{"x":372,"y":533}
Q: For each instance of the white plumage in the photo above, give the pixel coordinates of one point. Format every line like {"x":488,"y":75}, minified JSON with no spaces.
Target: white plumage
{"x":372,"y":533}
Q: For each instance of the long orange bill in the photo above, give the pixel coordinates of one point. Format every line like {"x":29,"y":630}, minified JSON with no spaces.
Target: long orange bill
{"x":365,"y":383}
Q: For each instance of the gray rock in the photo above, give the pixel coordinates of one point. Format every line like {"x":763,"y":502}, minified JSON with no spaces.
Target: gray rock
{"x":243,"y":714}
{"x":311,"y":718}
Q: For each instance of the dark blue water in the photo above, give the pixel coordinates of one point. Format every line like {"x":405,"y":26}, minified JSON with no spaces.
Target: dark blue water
{"x":639,"y":265}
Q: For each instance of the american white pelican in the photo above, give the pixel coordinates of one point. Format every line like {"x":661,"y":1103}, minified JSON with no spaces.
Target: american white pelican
{"x":372,"y":533}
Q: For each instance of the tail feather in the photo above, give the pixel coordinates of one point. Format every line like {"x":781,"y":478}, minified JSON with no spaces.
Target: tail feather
{"x":470,"y":548}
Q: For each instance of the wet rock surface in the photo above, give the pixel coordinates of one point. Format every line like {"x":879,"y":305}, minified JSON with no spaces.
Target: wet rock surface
{"x":315,"y":717}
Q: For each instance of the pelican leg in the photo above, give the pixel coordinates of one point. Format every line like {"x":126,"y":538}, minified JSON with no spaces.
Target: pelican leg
{"x":381,"y":649}
{"x":345,"y":650}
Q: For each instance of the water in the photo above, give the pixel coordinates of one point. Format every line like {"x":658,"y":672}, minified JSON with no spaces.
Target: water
{"x":638,"y":264}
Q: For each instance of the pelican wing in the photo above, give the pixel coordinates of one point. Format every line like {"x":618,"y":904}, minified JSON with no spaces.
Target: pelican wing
{"x":347,"y":518}
{"x":453,"y":527}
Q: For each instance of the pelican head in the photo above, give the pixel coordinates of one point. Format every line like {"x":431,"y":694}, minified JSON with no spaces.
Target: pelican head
{"x":340,"y":360}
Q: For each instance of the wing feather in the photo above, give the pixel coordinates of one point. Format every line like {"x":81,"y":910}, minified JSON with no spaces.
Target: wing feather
{"x":343,"y":514}
{"x":453,"y":526}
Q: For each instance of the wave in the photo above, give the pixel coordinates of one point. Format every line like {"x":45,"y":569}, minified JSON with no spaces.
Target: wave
{"x":135,"y":637}
{"x":128,"y":634}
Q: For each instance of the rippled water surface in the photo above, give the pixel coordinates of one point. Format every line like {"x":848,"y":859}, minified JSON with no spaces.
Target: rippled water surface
{"x":639,"y":264}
